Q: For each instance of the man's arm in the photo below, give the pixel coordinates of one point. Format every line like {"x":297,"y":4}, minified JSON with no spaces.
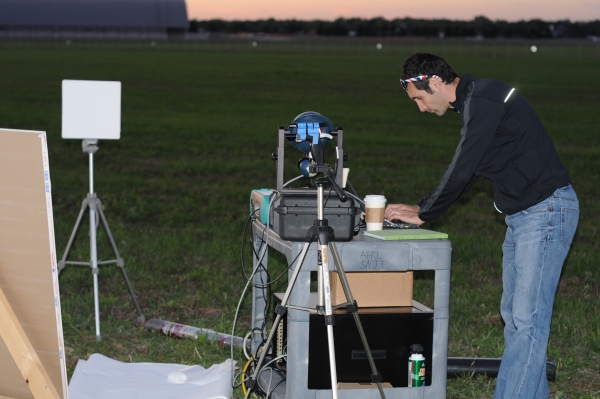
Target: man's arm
{"x":480,"y":121}
{"x":406,"y":213}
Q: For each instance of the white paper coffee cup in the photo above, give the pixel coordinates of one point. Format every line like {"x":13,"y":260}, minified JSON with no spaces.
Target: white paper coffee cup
{"x":374,"y":210}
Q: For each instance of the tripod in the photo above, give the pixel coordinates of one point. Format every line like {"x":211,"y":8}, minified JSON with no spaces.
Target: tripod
{"x":95,"y":207}
{"x":326,"y":243}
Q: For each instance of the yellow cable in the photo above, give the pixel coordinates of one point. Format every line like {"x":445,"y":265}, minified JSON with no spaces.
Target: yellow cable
{"x":244,"y":375}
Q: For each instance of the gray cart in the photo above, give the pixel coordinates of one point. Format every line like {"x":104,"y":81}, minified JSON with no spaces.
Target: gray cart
{"x":392,"y":256}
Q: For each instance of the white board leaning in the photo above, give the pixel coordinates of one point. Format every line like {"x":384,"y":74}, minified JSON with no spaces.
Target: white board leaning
{"x":91,"y":109}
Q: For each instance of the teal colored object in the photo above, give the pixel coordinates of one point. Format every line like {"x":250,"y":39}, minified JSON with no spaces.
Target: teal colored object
{"x":260,"y":202}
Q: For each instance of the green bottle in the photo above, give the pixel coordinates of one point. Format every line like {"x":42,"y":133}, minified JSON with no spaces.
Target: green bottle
{"x":416,"y":366}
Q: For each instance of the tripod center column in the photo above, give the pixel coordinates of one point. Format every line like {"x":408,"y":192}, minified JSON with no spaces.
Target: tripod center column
{"x":91,"y":157}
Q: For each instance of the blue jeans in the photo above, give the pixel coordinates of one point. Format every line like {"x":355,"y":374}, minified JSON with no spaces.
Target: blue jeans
{"x":536,"y":245}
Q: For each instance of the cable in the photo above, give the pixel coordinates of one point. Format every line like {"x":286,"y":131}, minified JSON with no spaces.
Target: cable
{"x":270,"y":380}
{"x":263,"y":273}
{"x":351,"y":187}
{"x":360,"y":201}
{"x":233,"y":333}
{"x":250,"y":278}
{"x":266,"y":367}
{"x":282,"y":274}
{"x":260,"y":266}
{"x":237,"y":310}
{"x":275,"y":387}
{"x":294,"y":179}
{"x":327,"y":199}
{"x":243,"y":375}
{"x":245,"y":340}
{"x":260,"y":259}
{"x":260,"y":256}
{"x":250,"y":218}
{"x":274,"y":360}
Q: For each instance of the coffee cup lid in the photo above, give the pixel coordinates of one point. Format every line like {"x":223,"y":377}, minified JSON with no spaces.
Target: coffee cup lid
{"x":375,"y":198}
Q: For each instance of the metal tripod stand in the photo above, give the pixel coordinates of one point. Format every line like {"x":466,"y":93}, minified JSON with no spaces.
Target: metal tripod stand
{"x":92,"y":202}
{"x":325,"y":236}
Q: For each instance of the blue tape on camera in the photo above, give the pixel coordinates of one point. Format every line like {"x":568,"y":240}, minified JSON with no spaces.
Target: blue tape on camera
{"x":301,"y":131}
{"x":314,"y":132}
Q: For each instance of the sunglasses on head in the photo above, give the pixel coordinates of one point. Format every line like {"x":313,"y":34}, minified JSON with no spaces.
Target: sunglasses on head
{"x":405,"y":82}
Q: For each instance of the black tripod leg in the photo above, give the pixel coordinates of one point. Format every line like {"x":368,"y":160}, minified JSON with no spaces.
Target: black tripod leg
{"x":375,"y":376}
{"x":62,"y":263}
{"x":120,"y":261}
{"x":280,"y":312}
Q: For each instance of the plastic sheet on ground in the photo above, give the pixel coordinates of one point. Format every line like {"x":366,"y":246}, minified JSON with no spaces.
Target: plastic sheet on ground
{"x":100,"y":377}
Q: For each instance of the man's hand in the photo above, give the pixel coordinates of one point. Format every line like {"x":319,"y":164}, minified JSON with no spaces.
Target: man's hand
{"x":406,"y":213}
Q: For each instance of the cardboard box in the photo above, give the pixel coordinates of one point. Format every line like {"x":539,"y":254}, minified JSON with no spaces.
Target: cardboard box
{"x":374,"y":289}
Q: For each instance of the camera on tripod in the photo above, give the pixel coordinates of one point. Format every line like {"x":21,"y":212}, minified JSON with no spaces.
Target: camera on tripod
{"x":295,"y":210}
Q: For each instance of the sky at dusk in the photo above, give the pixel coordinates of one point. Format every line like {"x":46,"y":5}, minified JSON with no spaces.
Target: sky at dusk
{"x":510,"y":10}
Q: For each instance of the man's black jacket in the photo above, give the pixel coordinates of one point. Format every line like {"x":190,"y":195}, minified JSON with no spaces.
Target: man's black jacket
{"x":502,"y":140}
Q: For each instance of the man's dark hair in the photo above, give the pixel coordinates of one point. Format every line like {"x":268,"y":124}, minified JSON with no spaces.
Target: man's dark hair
{"x":425,"y":64}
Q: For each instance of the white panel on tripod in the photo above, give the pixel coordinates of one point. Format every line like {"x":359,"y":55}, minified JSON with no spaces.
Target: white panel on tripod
{"x":91,"y":109}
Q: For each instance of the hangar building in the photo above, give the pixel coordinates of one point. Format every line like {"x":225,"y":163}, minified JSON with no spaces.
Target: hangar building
{"x":93,"y":19}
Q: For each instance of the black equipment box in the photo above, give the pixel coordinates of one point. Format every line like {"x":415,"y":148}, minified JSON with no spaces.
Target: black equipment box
{"x":296,"y":212}
{"x":390,"y":332}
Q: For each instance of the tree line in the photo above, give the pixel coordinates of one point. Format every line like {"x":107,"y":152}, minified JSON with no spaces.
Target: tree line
{"x":402,"y":27}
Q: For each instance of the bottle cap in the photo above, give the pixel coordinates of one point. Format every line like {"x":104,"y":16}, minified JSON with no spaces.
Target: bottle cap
{"x":416,"y":348}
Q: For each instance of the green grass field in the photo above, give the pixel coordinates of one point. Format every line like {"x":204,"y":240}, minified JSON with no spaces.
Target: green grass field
{"x":199,"y":123}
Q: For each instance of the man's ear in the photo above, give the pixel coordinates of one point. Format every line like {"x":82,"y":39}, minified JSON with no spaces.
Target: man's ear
{"x":436,"y":84}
